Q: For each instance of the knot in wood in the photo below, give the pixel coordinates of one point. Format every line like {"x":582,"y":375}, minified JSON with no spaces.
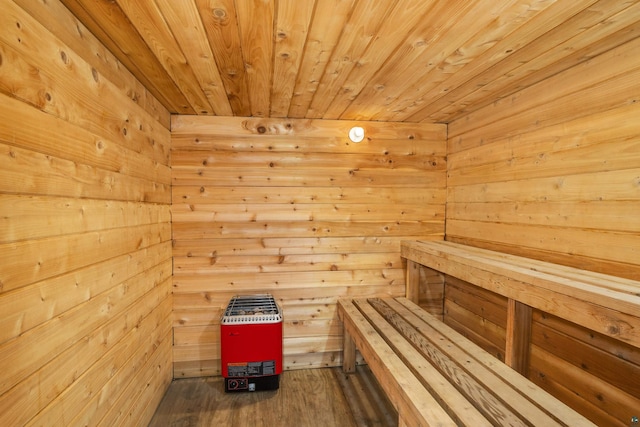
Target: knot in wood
{"x":219,"y":13}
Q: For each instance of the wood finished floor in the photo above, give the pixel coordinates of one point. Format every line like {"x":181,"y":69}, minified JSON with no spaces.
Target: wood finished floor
{"x":309,"y":397}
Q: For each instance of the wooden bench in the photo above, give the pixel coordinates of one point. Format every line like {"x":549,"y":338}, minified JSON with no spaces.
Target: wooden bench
{"x":603,"y":303}
{"x":435,"y":376}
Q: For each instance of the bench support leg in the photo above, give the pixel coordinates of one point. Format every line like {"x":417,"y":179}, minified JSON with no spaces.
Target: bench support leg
{"x":349,"y":354}
{"x":518,"y":336}
{"x":425,"y":287}
{"x":413,"y":282}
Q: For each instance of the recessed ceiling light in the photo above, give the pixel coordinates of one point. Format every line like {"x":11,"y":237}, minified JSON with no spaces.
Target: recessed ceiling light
{"x":356,"y":134}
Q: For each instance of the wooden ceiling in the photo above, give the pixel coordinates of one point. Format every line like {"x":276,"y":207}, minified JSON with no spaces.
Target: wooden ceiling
{"x":383,"y":60}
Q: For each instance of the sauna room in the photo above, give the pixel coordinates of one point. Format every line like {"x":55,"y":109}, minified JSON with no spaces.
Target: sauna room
{"x":382,"y":171}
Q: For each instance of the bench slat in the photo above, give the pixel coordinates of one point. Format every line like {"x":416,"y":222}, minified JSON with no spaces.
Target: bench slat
{"x":519,"y":384}
{"x":412,"y":401}
{"x":615,"y":283}
{"x":448,"y":397}
{"x":493,"y":395}
{"x":573,"y":282}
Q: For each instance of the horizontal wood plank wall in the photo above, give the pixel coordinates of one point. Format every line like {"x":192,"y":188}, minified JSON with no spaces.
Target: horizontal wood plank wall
{"x":553,"y":172}
{"x":85,"y":229}
{"x":588,"y":370}
{"x":478,"y":314}
{"x":293,"y":208}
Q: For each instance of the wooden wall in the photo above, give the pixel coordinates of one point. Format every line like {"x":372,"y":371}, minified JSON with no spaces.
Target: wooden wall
{"x":478,"y":314}
{"x":553,"y":172}
{"x":85,"y":238}
{"x":293,"y":208}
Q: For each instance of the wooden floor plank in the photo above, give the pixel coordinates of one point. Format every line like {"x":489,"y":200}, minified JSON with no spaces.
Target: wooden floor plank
{"x":306,"y":397}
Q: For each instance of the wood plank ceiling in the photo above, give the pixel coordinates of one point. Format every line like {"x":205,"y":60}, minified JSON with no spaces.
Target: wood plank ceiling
{"x":383,"y":60}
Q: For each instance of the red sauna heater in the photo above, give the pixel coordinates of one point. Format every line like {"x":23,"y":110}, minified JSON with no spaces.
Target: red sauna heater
{"x":251,"y":343}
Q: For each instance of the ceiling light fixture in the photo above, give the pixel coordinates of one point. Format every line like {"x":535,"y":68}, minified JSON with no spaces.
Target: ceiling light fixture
{"x":356,"y":134}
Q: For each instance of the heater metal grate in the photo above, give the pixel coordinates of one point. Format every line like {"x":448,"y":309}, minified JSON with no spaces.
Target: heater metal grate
{"x":245,"y":309}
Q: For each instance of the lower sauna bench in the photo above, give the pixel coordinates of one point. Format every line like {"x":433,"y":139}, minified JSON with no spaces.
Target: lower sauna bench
{"x":435,"y":376}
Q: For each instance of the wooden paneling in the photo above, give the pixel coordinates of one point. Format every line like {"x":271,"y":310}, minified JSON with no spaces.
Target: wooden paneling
{"x":586,"y":368}
{"x":402,"y":60}
{"x":85,"y":235}
{"x":552,"y":173}
{"x":478,"y":314}
{"x":293,"y":208}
